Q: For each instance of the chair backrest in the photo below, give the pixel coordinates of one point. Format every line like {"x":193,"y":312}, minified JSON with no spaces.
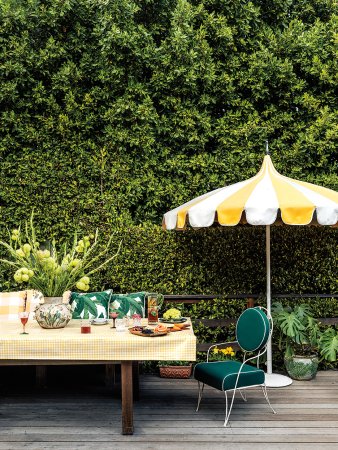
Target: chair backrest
{"x":252,"y":329}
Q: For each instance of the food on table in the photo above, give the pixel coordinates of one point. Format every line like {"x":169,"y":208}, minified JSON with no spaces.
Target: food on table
{"x":147,"y":331}
{"x":182,"y":325}
{"x":172,"y":313}
{"x":161,"y":329}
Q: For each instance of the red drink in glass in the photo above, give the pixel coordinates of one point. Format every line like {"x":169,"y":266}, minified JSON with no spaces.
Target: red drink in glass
{"x":23,"y":316}
{"x":85,"y":329}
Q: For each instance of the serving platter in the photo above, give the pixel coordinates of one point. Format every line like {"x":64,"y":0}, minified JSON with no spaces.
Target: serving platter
{"x":181,"y":320}
{"x":152,"y":334}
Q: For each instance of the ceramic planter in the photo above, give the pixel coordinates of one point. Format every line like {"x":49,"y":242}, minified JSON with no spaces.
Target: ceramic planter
{"x":53,"y":314}
{"x":301,"y":367}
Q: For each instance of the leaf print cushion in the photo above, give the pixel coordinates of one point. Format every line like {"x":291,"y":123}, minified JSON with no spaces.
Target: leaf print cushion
{"x":90,"y":305}
{"x":128,"y":304}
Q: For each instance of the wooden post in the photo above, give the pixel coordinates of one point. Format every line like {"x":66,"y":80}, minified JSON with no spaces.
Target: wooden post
{"x":250,"y":302}
{"x":127,"y":397}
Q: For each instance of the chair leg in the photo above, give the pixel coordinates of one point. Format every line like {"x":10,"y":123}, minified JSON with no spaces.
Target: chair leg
{"x":267,"y":398}
{"x":200,"y":393}
{"x":243,"y":395}
{"x":231,"y":405}
{"x":226,"y":409}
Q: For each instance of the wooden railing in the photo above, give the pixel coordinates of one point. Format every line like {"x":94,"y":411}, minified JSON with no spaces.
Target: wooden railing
{"x":251,"y":298}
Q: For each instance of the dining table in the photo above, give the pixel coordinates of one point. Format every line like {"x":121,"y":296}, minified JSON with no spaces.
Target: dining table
{"x":103,"y":345}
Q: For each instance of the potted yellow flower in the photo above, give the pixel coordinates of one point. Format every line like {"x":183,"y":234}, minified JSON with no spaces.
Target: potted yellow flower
{"x":222,"y":354}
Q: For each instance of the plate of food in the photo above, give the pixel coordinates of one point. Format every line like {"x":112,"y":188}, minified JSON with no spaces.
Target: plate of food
{"x":99,"y":321}
{"x":160,"y":330}
{"x":179,"y":327}
{"x":173,"y":315}
{"x":171,"y":320}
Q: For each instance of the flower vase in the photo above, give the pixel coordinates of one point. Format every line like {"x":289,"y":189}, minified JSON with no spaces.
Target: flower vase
{"x":53,"y":313}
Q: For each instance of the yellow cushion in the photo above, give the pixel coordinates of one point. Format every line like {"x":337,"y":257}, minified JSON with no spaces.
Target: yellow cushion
{"x":13,"y":302}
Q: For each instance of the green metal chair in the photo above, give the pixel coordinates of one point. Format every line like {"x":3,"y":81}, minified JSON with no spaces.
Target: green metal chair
{"x":253,"y":330}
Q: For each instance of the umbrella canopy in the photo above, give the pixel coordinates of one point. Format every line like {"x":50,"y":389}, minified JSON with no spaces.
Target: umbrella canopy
{"x":264,"y":199}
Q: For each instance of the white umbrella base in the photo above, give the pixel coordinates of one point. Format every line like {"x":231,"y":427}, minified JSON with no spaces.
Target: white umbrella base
{"x":275,"y":380}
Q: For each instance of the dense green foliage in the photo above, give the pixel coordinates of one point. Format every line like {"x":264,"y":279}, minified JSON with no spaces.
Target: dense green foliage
{"x":114,"y":111}
{"x":132,"y":107}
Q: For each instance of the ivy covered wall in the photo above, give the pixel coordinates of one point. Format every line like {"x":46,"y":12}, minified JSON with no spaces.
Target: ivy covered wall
{"x":114,"y":111}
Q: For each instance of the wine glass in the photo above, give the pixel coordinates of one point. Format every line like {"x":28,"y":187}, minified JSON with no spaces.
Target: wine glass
{"x":23,"y":315}
{"x":113,"y":315}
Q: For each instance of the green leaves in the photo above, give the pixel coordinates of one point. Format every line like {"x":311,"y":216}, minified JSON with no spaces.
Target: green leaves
{"x":329,"y":345}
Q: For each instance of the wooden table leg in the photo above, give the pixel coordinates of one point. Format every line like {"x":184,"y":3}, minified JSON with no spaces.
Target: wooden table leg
{"x":41,"y":377}
{"x":136,"y":380}
{"x":127,"y":397}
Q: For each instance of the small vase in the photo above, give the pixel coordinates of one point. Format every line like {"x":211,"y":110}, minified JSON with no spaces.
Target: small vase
{"x":53,"y":314}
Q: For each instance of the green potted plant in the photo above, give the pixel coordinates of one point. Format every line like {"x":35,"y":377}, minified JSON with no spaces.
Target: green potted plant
{"x":299,"y":337}
{"x":52,"y":270}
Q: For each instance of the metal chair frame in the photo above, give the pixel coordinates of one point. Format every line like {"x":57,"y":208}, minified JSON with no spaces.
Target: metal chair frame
{"x":245,"y":360}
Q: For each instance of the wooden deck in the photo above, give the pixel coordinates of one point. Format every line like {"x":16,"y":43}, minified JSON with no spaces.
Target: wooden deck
{"x":164,"y":418}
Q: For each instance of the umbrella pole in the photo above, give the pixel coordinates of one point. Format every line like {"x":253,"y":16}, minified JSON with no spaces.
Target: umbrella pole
{"x":268,"y":294}
{"x":271,"y":379}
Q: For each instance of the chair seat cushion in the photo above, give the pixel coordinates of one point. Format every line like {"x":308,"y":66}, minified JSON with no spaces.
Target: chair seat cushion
{"x":222,"y":375}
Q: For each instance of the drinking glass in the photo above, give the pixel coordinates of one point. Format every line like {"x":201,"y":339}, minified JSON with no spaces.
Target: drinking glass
{"x":120,"y":325}
{"x":85,"y":326}
{"x":113,"y":315}
{"x":23,"y":316}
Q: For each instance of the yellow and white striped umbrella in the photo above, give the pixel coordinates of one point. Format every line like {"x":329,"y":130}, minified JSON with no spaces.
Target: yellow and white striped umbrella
{"x":260,"y":200}
{"x":264,"y":199}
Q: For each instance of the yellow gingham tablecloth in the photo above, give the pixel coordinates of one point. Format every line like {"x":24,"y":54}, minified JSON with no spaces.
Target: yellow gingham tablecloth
{"x":103,"y":343}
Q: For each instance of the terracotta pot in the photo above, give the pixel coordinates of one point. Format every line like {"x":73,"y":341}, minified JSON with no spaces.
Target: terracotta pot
{"x":175,"y":371}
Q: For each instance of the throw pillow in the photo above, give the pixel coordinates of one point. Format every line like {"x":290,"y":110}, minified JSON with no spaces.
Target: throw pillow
{"x":90,"y":305}
{"x":11,"y":303}
{"x":128,"y":304}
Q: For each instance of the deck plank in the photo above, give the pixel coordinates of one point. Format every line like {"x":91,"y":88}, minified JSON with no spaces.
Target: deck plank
{"x":306,"y":419}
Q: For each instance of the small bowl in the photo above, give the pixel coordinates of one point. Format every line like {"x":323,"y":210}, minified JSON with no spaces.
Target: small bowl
{"x":99,"y":321}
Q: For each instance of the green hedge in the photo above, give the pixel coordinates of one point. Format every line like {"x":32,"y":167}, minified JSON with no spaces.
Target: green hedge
{"x":218,"y":260}
{"x":132,"y":107}
{"x":114,"y":112}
